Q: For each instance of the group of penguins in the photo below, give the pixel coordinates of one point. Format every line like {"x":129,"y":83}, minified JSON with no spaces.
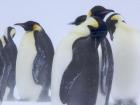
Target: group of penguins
{"x":96,"y":64}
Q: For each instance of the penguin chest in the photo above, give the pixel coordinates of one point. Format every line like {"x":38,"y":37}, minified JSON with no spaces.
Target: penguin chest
{"x":62,"y":58}
{"x":126,"y":59}
{"x":25,"y":58}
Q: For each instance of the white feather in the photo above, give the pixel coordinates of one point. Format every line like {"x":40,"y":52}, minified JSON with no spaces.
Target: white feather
{"x":25,"y":84}
{"x":126,"y":51}
{"x":3,"y":41}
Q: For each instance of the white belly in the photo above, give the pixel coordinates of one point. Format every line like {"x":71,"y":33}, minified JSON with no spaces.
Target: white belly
{"x":62,"y":58}
{"x":126,"y":51}
{"x":25,"y":84}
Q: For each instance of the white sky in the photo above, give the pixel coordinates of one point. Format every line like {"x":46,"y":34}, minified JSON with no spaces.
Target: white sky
{"x":54,"y":15}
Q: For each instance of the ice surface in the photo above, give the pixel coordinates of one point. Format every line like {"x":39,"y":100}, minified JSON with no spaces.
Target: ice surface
{"x":25,"y":103}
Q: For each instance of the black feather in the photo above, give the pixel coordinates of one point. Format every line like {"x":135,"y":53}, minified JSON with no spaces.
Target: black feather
{"x":79,"y":83}
{"x":107,"y":68}
{"x":43,"y":61}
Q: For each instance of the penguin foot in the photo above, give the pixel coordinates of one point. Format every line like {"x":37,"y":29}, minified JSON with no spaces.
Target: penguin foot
{"x":129,"y":102}
{"x":10,"y":97}
{"x":45,"y":99}
{"x":23,"y":100}
{"x":118,"y":102}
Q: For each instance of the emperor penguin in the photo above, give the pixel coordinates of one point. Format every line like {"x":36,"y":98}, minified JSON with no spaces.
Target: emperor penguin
{"x":34,"y":63}
{"x":75,"y":71}
{"x":105,"y":58}
{"x":8,"y":55}
{"x":126,"y":51}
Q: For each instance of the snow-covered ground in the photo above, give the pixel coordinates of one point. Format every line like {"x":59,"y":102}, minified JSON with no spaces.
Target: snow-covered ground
{"x":25,"y":103}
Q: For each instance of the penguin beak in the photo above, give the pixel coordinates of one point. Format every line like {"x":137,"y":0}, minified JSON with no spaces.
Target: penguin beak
{"x":124,"y":21}
{"x":72,"y":23}
{"x":107,"y":11}
{"x":20,"y":24}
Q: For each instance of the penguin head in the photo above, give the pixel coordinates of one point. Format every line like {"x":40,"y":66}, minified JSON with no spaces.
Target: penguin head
{"x":79,"y":20}
{"x":100,"y":31}
{"x":30,"y":26}
{"x":11,"y":31}
{"x":99,"y":11}
{"x":111,"y":22}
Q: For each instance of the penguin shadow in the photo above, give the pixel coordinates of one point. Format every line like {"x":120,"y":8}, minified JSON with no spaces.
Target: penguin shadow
{"x":125,"y":102}
{"x":43,"y":99}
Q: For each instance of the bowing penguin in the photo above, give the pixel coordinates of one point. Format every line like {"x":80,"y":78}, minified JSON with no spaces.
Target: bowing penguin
{"x":76,"y":64}
{"x":8,"y":53}
{"x":34,"y":63}
{"x":126,"y":50}
{"x":106,"y":59}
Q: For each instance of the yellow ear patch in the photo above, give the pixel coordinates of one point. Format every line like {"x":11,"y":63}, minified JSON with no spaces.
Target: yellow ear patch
{"x":115,"y":17}
{"x":94,"y":23}
{"x":36,"y":27}
{"x":89,"y":14}
{"x":91,"y":21}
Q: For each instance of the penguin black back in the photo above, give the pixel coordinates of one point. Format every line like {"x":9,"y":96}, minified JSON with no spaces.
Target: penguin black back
{"x":107,"y":62}
{"x":79,"y":85}
{"x":9,"y":53}
{"x":107,"y":69}
{"x":80,"y":80}
{"x":11,"y":47}
{"x":43,"y":62}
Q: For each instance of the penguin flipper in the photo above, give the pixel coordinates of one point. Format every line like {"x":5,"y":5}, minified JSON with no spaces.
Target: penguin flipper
{"x":43,"y":60}
{"x":68,"y":81}
{"x":39,"y":65}
{"x":6,"y":71}
{"x":81,"y":74}
{"x":107,"y":69}
{"x":12,"y":51}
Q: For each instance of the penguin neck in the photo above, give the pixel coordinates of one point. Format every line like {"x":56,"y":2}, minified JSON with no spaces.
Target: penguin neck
{"x":81,"y":30}
{"x":123,"y":26}
{"x":28,"y":36}
{"x":28,"y":32}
